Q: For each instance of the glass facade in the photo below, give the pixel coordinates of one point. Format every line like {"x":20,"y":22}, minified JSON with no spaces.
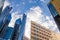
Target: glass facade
{"x":52,"y":10}
{"x":1,"y":10}
{"x":22,"y":27}
{"x":8,"y":33}
{"x":5,"y":25}
{"x":4,"y":15}
{"x":6,"y":11}
{"x":16,"y":29}
{"x":12,"y":33}
{"x":5,"y":18}
{"x":1,"y":5}
{"x":54,"y":14}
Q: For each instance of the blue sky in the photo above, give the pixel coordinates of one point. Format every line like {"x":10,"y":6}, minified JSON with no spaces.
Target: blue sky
{"x":23,"y":5}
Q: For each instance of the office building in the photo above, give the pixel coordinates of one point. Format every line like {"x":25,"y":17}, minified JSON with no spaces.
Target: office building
{"x":1,"y":10}
{"x":56,"y":4}
{"x":55,"y":36}
{"x":6,"y":11}
{"x":5,"y":18}
{"x":22,"y":27}
{"x":54,"y":8}
{"x":1,"y":5}
{"x":12,"y":33}
{"x":5,"y":25}
{"x":16,"y":29}
{"x":4,"y":15}
{"x":39,"y":32}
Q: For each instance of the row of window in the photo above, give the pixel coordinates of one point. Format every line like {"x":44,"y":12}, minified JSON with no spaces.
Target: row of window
{"x":39,"y":35}
{"x":41,"y":29}
{"x":40,"y":32}
{"x":39,"y":38}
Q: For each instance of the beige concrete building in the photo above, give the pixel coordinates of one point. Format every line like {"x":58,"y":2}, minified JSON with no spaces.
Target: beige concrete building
{"x":55,"y":36}
{"x":39,"y":32}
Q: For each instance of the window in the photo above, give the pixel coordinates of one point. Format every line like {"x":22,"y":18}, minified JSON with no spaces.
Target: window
{"x":34,"y":38}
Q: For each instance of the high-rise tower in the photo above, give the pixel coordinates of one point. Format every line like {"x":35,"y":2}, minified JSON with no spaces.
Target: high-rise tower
{"x":54,"y":8}
{"x":1,"y":5}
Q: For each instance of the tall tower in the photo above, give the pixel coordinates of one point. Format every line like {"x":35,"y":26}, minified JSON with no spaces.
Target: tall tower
{"x":4,"y":15}
{"x":16,"y":29}
{"x":22,"y":27}
{"x":54,"y":8}
{"x":5,"y":18}
{"x":1,"y":5}
{"x":56,"y":4}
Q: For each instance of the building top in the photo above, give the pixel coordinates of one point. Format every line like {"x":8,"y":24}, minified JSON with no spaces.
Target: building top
{"x":56,"y":4}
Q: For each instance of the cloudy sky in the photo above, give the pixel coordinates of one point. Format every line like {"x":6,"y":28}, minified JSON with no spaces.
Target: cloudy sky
{"x":24,"y":6}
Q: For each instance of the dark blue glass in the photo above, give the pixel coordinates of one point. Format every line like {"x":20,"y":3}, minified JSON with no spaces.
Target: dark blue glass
{"x":16,"y":29}
{"x":12,"y":33}
{"x":5,"y":25}
{"x":1,"y":10}
{"x":4,"y":17}
{"x":52,"y":10}
{"x":8,"y":33}
{"x":1,"y":5}
{"x":22,"y":27}
{"x":6,"y":11}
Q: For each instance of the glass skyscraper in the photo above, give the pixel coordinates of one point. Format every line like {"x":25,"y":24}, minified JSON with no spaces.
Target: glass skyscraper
{"x":1,"y":5}
{"x":22,"y":27}
{"x":16,"y":29}
{"x":54,"y":8}
{"x":12,"y":33}
{"x":3,"y":16}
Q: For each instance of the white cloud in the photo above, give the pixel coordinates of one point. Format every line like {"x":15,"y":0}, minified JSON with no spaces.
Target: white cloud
{"x":42,"y":0}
